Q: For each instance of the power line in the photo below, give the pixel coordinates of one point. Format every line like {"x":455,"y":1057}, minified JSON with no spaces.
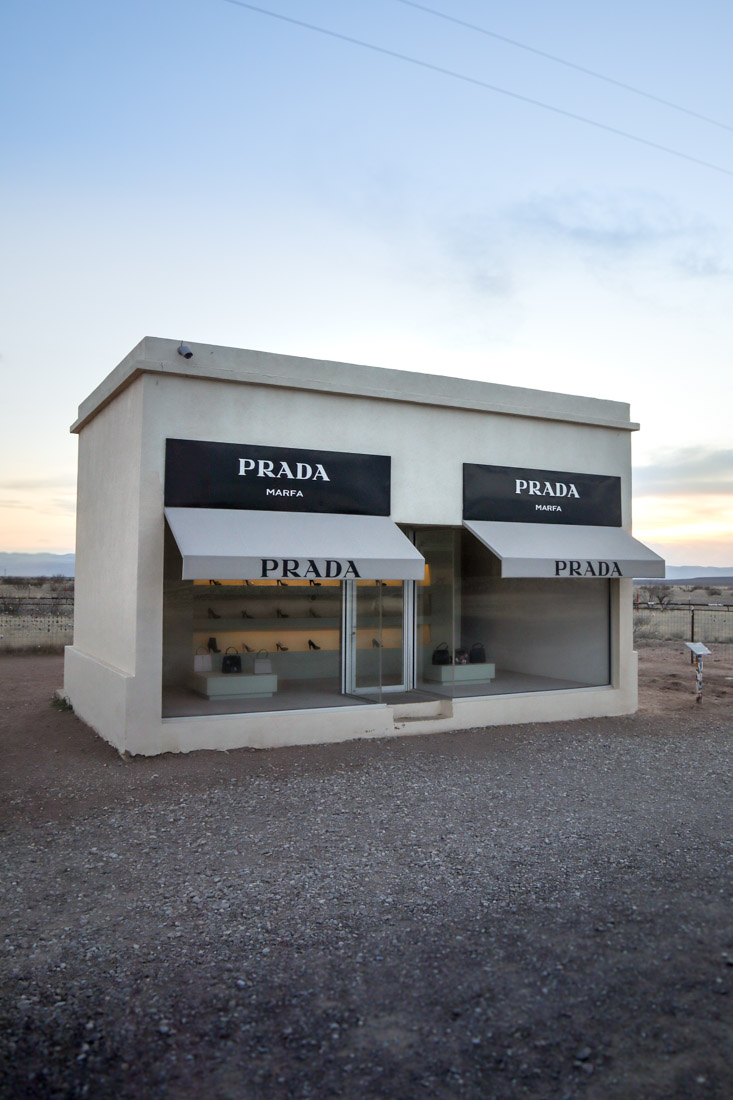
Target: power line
{"x":567,"y":64}
{"x":482,"y":84}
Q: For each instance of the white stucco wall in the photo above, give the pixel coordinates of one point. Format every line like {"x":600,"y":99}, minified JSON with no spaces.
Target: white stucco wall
{"x":107,"y":532}
{"x":113,"y":672}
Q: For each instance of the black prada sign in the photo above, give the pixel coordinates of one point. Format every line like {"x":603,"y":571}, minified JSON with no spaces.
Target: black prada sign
{"x":282,"y":479}
{"x":515,"y":494}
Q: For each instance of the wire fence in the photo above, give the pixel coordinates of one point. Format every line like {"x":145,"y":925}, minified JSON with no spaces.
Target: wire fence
{"x":707,"y":623}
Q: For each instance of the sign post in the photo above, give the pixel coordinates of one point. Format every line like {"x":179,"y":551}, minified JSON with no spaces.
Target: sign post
{"x":698,"y":651}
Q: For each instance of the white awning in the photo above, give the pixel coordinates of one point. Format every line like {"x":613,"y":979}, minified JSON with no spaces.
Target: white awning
{"x":564,"y":550}
{"x":233,"y":544}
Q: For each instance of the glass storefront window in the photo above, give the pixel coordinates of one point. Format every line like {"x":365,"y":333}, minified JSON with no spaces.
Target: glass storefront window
{"x":291,"y":645}
{"x":479,"y":634}
{"x":285,"y":637}
{"x":275,"y":634}
{"x":298,"y":644}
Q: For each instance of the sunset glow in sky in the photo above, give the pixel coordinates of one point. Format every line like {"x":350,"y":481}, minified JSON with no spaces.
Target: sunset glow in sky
{"x":202,"y":171}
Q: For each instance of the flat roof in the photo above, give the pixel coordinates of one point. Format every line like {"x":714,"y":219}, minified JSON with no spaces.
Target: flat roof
{"x":155,"y":355}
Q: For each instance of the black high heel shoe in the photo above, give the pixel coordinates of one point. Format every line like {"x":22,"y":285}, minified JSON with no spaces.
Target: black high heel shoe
{"x":246,"y":615}
{"x":215,"y":582}
{"x":213,"y":614}
{"x":281,"y":614}
{"x":246,"y":649}
{"x":314,"y":584}
{"x":376,"y":644}
{"x":212,"y":646}
{"x":281,"y":648}
{"x":313,"y":614}
{"x":312,"y":645}
{"x":282,"y":584}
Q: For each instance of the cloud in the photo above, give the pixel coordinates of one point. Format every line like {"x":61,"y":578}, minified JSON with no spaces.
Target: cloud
{"x":698,"y":471}
{"x":622,"y":225}
{"x":614,"y":222}
{"x":476,"y":254}
{"x":702,"y":264}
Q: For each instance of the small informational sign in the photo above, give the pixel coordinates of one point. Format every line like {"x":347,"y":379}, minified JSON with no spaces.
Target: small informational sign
{"x":201,"y":474}
{"x":698,"y":648}
{"x":518,"y":494}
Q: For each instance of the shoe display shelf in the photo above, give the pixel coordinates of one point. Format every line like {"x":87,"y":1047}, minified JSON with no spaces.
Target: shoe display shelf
{"x":298,"y":661}
{"x":292,"y":664}
{"x":254,"y":625}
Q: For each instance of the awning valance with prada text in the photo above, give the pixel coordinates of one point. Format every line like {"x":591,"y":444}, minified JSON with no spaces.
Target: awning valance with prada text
{"x":232,"y":544}
{"x":555,"y":550}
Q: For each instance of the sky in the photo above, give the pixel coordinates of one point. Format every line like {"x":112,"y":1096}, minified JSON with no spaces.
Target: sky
{"x":202,"y":171}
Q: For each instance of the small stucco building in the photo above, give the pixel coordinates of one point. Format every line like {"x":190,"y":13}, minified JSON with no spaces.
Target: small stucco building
{"x":274,"y":550}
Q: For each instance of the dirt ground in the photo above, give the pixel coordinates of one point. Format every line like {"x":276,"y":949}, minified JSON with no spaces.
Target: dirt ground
{"x":534,"y":911}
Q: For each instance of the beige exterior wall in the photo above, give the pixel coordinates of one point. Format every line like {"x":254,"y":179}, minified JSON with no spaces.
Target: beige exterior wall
{"x":107,"y":532}
{"x":428,"y":444}
{"x":113,"y":671}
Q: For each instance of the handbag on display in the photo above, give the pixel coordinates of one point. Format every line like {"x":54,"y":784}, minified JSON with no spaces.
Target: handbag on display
{"x":461,"y":656}
{"x":202,"y":660}
{"x":231,"y":661}
{"x":442,"y":655}
{"x":262,"y":663}
{"x":477,"y":656}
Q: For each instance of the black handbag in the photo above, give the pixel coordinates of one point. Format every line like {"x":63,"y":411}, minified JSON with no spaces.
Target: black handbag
{"x":477,"y":656}
{"x":442,"y":655}
{"x":231,"y":662}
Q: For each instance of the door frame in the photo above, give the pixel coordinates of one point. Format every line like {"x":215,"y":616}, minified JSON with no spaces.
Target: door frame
{"x":349,"y":651}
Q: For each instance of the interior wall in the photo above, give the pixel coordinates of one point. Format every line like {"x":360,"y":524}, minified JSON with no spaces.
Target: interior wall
{"x":177,"y":618}
{"x":545,"y":627}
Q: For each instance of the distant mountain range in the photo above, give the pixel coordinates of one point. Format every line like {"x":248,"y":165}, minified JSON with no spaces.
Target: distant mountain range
{"x":694,"y":574}
{"x":677,"y":572}
{"x":698,"y":576}
{"x":62,"y":565}
{"x":36,"y":565}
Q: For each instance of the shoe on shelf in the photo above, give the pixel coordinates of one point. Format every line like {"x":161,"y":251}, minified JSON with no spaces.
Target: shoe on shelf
{"x":376,"y":644}
{"x":312,"y":645}
{"x":280,"y":614}
{"x":212,"y":646}
{"x":282,"y":584}
{"x":313,"y":614}
{"x":246,"y":649}
{"x":213,"y":614}
{"x":314,"y":584}
{"x":246,"y":615}
{"x":281,"y":648}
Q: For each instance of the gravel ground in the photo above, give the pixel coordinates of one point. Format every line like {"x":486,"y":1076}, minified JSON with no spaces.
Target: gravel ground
{"x":532,"y":911}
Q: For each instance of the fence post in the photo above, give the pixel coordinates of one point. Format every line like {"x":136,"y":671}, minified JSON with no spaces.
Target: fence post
{"x":692,"y":634}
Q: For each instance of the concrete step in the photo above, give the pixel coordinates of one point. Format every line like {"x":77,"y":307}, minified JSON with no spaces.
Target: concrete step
{"x":419,"y":712}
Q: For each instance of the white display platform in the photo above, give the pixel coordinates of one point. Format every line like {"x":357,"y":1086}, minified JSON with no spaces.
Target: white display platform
{"x":460,"y":674}
{"x":234,"y":685}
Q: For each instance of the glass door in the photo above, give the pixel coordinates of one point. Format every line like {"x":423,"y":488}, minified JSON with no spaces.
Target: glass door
{"x":378,"y":637}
